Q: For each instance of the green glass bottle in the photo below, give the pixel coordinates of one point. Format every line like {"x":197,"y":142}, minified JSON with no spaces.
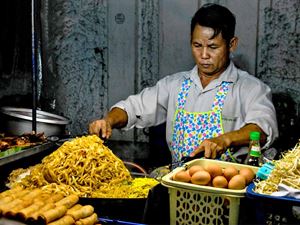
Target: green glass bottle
{"x":255,"y":157}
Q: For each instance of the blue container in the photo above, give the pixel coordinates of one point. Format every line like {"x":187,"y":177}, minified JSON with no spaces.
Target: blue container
{"x":117,"y":222}
{"x":273,"y":210}
{"x":118,"y":209}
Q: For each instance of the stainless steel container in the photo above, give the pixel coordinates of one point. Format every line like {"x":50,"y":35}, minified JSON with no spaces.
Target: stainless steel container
{"x":17,"y":121}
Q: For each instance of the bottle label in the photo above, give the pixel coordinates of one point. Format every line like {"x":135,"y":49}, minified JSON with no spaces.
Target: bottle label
{"x":255,"y":151}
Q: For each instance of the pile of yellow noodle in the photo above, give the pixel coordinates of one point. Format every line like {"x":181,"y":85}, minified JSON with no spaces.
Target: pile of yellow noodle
{"x":86,"y":167}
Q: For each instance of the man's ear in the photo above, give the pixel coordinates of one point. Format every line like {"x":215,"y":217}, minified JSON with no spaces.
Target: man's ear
{"x":233,"y":44}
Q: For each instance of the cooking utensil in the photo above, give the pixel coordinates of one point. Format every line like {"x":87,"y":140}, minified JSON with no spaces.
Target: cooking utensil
{"x":132,"y":165}
{"x":17,"y":121}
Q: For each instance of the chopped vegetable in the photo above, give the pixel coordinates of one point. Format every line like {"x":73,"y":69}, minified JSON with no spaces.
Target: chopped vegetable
{"x":10,"y":151}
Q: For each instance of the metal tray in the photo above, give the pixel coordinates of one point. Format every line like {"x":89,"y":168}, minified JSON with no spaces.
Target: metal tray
{"x":25,"y":153}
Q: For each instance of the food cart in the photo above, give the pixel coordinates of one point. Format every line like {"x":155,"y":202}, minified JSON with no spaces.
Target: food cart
{"x":185,"y":203}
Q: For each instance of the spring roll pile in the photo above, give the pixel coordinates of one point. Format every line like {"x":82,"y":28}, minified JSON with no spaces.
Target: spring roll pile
{"x":39,"y":207}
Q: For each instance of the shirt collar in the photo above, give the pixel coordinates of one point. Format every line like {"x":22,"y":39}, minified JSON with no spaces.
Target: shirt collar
{"x":229,"y":75}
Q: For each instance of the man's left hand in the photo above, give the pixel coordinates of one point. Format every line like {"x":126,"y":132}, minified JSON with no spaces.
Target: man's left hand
{"x":212,"y":147}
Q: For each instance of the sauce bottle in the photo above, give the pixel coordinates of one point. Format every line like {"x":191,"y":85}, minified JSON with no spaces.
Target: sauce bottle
{"x":255,"y":157}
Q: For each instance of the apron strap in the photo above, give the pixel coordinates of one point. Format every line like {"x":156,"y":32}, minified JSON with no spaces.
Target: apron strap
{"x":220,"y":96}
{"x":182,"y":96}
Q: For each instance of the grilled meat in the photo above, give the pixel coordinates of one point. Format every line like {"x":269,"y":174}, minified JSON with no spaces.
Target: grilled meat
{"x":27,"y":139}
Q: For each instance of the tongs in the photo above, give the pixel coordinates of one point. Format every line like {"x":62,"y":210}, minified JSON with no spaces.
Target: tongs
{"x":159,"y":172}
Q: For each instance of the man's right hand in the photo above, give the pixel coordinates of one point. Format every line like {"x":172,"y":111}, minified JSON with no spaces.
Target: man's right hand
{"x":116,"y":118}
{"x":101,"y":127}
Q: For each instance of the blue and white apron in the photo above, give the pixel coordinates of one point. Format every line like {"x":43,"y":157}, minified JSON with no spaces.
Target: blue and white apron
{"x":191,"y":128}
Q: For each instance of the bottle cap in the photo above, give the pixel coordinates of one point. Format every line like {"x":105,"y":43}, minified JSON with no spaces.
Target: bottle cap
{"x":255,"y":135}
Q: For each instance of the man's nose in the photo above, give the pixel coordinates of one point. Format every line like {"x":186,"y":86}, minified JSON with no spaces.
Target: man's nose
{"x":204,"y":53}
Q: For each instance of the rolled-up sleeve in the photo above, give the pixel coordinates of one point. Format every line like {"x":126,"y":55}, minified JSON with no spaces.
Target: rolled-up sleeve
{"x":260,"y":110}
{"x":148,"y":108}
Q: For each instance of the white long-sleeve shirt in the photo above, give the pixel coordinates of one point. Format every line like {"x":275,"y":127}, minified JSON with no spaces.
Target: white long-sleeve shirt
{"x":249,"y":100}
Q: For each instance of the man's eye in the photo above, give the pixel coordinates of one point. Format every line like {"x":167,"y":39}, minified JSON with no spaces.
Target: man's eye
{"x":213,"y":47}
{"x":196,"y":45}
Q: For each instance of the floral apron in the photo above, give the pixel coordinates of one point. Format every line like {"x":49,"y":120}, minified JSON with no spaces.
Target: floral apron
{"x":191,"y":128}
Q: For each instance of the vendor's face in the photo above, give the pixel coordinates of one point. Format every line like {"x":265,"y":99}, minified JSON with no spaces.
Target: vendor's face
{"x":210,"y":54}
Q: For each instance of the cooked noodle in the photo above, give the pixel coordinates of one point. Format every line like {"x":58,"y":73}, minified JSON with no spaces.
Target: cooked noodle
{"x":86,"y":167}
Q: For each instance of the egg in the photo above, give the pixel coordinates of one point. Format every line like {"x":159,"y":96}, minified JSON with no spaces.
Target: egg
{"x":220,"y":182}
{"x":193,"y":169}
{"x":201,"y":177}
{"x":229,"y":172}
{"x":214,"y":170}
{"x":248,"y":174}
{"x":182,"y":176}
{"x":237,"y":182}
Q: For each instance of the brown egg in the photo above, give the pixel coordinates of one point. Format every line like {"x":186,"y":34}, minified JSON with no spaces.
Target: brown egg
{"x":182,"y":176}
{"x":248,"y":174}
{"x":201,"y":177}
{"x":220,"y":182}
{"x":229,"y":172}
{"x":214,"y":170}
{"x":193,"y":169}
{"x":237,"y":182}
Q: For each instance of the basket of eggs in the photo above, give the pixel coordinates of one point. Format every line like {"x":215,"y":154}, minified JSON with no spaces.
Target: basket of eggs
{"x":206,"y":191}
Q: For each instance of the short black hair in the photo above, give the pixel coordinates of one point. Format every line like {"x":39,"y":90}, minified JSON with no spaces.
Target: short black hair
{"x":217,"y":17}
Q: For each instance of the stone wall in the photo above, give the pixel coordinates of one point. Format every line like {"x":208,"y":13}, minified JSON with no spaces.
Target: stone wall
{"x":97,"y":52}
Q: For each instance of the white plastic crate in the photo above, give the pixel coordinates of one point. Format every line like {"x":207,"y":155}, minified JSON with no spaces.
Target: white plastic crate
{"x":198,"y":204}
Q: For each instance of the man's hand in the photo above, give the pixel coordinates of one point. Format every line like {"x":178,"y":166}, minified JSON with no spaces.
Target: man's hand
{"x":116,"y":118}
{"x":212,"y":147}
{"x":101,"y":128}
{"x":216,"y":146}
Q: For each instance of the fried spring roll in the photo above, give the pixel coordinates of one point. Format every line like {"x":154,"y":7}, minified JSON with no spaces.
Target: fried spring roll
{"x":9,"y":202}
{"x":25,"y":213}
{"x":6,"y":207}
{"x":65,"y":220}
{"x":32,"y":194}
{"x":46,"y":207}
{"x":74,"y":208}
{"x":6,"y":200}
{"x":56,"y":197}
{"x":10,"y":192}
{"x":84,"y":212}
{"x":15,"y":209}
{"x":13,"y":196}
{"x":53,"y":214}
{"x":91,"y":220}
{"x":44,"y":197}
{"x":68,"y":201}
{"x":21,"y":193}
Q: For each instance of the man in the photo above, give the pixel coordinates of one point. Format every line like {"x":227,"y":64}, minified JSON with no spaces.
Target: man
{"x":212,"y":108}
